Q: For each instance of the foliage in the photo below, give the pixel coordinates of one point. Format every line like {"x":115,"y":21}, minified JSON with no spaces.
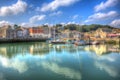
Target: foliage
{"x":86,"y":28}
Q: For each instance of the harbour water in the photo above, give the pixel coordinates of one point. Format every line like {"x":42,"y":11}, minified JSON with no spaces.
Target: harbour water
{"x":41,"y":61}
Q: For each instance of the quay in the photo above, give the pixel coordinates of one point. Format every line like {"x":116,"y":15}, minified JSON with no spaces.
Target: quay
{"x":23,"y":40}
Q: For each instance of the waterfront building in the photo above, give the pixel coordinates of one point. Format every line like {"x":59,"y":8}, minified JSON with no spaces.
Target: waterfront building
{"x":19,"y":33}
{"x":35,"y":32}
{"x":77,"y":34}
{"x":116,"y":30}
{"x":22,"y":32}
{"x":39,"y":32}
{"x":3,"y":31}
{"x":11,"y":34}
{"x":113,"y":35}
{"x":67,"y":34}
{"x":46,"y":32}
{"x":102,"y":32}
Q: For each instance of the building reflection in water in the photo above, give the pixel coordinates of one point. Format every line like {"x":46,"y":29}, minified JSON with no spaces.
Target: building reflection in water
{"x":39,"y":49}
{"x":106,"y":58}
{"x":11,"y":50}
{"x":103,"y":49}
{"x":68,"y":61}
{"x":9,"y":59}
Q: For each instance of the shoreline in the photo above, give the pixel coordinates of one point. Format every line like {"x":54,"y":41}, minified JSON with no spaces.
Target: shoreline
{"x":22,"y":40}
{"x":105,"y":41}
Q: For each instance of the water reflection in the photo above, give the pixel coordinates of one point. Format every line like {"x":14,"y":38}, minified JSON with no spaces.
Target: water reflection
{"x":106,"y":59}
{"x":67,"y":72}
{"x":18,"y":65}
{"x":2,"y":77}
{"x":11,"y":50}
{"x":111,"y":70}
{"x":59,"y":62}
{"x":103,"y":49}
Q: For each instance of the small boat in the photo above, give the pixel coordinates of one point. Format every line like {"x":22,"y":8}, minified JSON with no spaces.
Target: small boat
{"x":57,"y":42}
{"x":80,"y":43}
{"x":95,"y":43}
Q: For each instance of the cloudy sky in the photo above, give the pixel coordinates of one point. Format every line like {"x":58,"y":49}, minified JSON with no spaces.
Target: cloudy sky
{"x":29,"y":12}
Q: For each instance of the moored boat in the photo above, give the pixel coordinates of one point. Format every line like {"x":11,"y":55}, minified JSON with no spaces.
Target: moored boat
{"x":80,"y":43}
{"x":58,"y":42}
{"x":95,"y":43}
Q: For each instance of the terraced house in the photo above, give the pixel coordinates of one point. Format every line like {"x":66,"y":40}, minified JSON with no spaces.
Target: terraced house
{"x":3,"y":31}
{"x":102,"y":32}
{"x":20,"y":32}
{"x":39,"y":32}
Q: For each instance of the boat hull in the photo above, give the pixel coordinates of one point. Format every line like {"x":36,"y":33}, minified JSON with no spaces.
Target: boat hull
{"x":58,"y":42}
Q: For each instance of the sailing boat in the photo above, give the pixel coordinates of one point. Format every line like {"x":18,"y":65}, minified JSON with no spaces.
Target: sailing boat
{"x":58,"y":41}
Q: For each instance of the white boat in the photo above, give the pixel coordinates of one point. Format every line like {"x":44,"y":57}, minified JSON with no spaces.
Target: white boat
{"x":80,"y":43}
{"x":94,"y":43}
{"x":58,"y":41}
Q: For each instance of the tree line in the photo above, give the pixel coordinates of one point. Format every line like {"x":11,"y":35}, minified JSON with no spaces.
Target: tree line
{"x":82,"y":28}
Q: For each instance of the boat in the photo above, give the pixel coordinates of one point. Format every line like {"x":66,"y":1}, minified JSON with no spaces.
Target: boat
{"x":95,"y":43}
{"x":92,"y":43}
{"x":80,"y":43}
{"x":56,"y":40}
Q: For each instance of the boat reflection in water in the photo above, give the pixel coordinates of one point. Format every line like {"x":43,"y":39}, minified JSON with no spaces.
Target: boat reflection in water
{"x":40,"y":61}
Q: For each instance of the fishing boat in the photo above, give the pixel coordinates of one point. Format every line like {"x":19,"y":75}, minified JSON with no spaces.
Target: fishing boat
{"x":56,"y":40}
{"x":92,"y":43}
{"x":95,"y":43}
{"x":80,"y":43}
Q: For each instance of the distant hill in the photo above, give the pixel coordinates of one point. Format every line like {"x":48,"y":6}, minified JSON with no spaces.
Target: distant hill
{"x":87,"y":28}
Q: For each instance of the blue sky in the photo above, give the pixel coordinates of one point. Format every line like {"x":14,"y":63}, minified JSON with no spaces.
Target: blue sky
{"x":38,"y":12}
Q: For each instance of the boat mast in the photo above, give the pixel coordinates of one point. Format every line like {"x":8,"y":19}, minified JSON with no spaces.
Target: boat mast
{"x":54,"y":34}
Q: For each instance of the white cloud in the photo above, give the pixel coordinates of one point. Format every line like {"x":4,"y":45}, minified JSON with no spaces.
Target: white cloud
{"x":71,"y":22}
{"x":102,"y":16}
{"x":75,"y":16}
{"x":26,"y":24}
{"x":18,"y":65}
{"x":111,"y":70}
{"x":104,"y":5}
{"x":107,"y":63}
{"x":14,"y":9}
{"x":115,"y":23}
{"x":56,"y":4}
{"x":65,"y":71}
{"x":3,"y":22}
{"x":37,"y":18}
{"x":56,"y":13}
